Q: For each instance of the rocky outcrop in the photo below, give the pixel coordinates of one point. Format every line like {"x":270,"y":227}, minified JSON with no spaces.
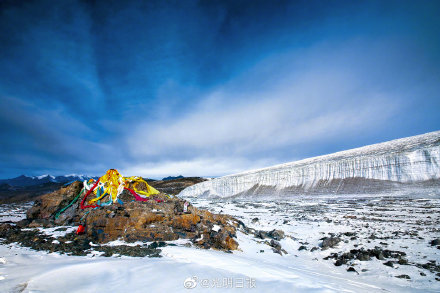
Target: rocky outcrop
{"x":159,"y":219}
{"x":176,"y":185}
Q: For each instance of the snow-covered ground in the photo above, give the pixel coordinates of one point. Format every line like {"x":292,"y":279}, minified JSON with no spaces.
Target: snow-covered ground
{"x":401,"y":223}
{"x":404,"y":223}
{"x":13,"y":212}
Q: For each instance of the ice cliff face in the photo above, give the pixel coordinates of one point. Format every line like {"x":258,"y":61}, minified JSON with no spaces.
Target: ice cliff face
{"x":403,"y":162}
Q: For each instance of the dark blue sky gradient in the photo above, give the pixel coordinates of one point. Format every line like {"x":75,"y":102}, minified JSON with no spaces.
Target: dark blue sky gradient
{"x":209,"y":88}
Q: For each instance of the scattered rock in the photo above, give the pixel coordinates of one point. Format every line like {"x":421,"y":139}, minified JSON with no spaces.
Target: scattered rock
{"x":276,"y":247}
{"x":275,"y":244}
{"x":380,"y":256}
{"x":352,"y":269}
{"x":340,"y":262}
{"x":329,"y":242}
{"x":302,"y":247}
{"x":435,"y":242}
{"x":260,"y":234}
{"x":366,"y":255}
{"x":403,"y":277}
{"x":276,"y":234}
{"x":403,"y":261}
{"x":430,"y":266}
{"x":363,"y":256}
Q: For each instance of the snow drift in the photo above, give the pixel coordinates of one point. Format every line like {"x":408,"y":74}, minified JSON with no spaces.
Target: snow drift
{"x":397,"y":164}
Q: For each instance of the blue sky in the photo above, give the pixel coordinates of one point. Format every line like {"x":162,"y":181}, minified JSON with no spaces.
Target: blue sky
{"x":209,"y":88}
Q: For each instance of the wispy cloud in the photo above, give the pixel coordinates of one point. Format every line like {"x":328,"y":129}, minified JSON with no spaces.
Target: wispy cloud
{"x":213,"y":166}
{"x":245,"y":119}
{"x":210,"y":87}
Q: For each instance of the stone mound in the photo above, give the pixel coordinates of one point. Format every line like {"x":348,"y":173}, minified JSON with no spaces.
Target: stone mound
{"x":159,"y":219}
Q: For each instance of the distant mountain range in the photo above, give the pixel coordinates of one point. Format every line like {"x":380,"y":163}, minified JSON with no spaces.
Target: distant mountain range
{"x":24,"y":180}
{"x":173,"y":178}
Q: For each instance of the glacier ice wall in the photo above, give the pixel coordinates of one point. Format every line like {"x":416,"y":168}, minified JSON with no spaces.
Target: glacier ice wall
{"x":403,"y":161}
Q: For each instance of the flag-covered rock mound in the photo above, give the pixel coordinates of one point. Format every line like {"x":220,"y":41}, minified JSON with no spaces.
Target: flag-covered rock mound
{"x":157,"y":217}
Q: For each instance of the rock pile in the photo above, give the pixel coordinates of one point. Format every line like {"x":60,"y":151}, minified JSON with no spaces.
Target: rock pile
{"x":366,"y":255}
{"x":159,"y":219}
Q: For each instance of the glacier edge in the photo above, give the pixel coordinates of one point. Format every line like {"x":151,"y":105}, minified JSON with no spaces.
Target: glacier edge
{"x":396,"y":163}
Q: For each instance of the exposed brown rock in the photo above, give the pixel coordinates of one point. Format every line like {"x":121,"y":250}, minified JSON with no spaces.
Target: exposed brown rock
{"x":185,"y":221}
{"x":49,"y":203}
{"x":160,"y":219}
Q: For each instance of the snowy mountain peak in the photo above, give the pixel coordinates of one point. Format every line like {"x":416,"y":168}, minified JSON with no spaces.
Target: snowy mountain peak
{"x":76,"y":175}
{"x":44,"y":176}
{"x":24,"y":180}
{"x":374,"y":168}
